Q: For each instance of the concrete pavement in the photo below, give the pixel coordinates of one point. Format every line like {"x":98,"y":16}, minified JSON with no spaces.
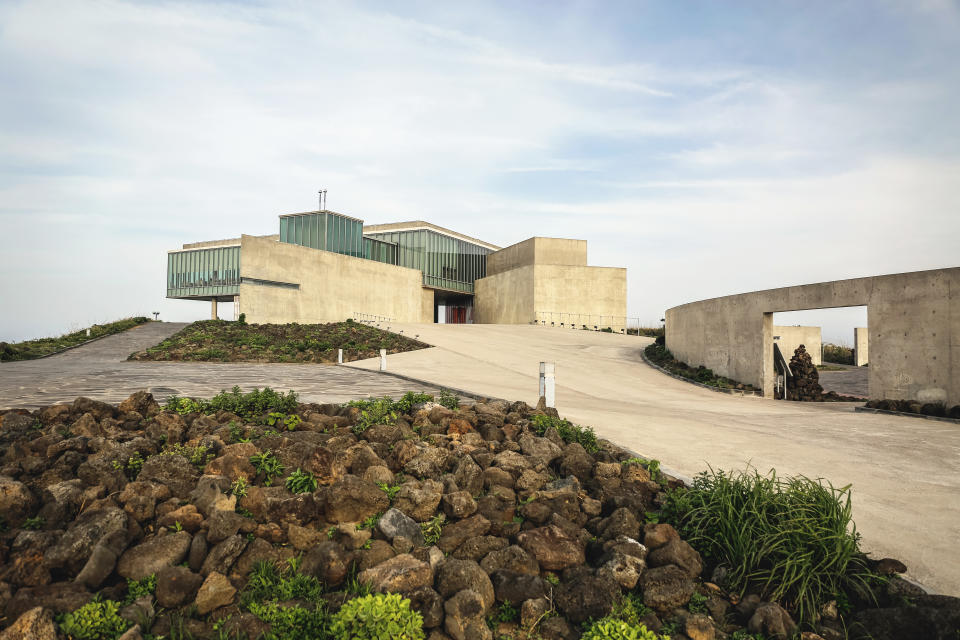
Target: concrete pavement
{"x":905,"y":472}
{"x":100,"y":370}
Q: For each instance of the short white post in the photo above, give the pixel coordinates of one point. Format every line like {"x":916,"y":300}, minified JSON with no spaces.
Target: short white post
{"x":88,"y":333}
{"x":383,"y":359}
{"x":339,"y":356}
{"x":548,"y":383}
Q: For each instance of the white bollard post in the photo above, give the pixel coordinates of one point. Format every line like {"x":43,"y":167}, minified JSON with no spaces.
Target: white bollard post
{"x":548,"y":383}
{"x":339,"y":356}
{"x":88,"y":333}
{"x":383,"y":359}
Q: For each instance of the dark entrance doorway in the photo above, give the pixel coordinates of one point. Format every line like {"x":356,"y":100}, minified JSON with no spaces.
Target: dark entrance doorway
{"x":452,"y":308}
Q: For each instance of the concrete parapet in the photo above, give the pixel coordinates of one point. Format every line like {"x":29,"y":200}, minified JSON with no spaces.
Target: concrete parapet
{"x":861,"y":351}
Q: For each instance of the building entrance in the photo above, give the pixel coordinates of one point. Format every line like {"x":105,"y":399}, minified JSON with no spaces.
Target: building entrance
{"x":453,"y":308}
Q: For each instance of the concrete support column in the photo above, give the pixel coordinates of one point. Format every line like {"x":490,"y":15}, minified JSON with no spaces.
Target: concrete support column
{"x":548,"y":383}
{"x":383,"y":359}
{"x":213,"y":309}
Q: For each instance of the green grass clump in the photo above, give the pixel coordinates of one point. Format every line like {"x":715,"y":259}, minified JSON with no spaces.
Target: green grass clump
{"x":449,"y":399}
{"x":96,"y":620}
{"x":31,"y":349}
{"x":377,"y":617}
{"x":220,"y":341}
{"x":268,"y":585}
{"x":790,"y":539}
{"x":291,"y":622}
{"x":568,"y":431}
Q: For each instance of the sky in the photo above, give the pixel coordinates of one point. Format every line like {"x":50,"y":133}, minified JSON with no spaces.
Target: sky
{"x":710,"y":148}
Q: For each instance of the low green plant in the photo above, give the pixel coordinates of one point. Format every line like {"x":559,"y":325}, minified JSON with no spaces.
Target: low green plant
{"x":246,"y":513}
{"x":449,"y":399}
{"x":96,"y":620}
{"x":613,"y":629}
{"x":552,"y":578}
{"x":137,"y":589}
{"x":568,"y":431}
{"x":374,"y":411}
{"x":433,"y":528}
{"x":301,"y":482}
{"x":267,"y":464}
{"x":390,"y":489}
{"x":35,"y":522}
{"x":198,"y":456}
{"x":506,"y":612}
{"x":698,"y":603}
{"x":237,"y":432}
{"x":291,"y":622}
{"x":177,"y":527}
{"x":370,"y":522}
{"x":267,"y":581}
{"x":380,"y":616}
{"x":791,"y":539}
{"x":239,"y":487}
{"x":131,"y":467}
{"x":630,"y":608}
{"x":409,"y":399}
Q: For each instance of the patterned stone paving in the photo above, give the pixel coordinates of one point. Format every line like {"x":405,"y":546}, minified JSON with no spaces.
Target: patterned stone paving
{"x":99,"y":370}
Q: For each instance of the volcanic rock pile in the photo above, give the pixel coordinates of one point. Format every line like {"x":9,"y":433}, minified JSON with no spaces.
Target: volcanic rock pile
{"x":94,"y":495}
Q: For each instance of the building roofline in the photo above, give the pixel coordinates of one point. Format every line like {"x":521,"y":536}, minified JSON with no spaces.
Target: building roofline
{"x":307,"y":213}
{"x":415,"y":225}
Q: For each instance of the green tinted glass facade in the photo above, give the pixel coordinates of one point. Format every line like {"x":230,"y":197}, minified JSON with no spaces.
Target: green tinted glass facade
{"x":446,"y":262}
{"x":203,"y":272}
{"x":324,"y":230}
{"x":379,"y":250}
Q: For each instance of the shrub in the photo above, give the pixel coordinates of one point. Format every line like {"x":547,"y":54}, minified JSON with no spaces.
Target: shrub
{"x":291,"y":622}
{"x":837,"y":354}
{"x":432,"y":528}
{"x":137,"y":589}
{"x":374,"y":411}
{"x":382,"y":616}
{"x":242,"y":319}
{"x":613,"y":629}
{"x":409,"y":399}
{"x":96,"y":620}
{"x":791,"y":539}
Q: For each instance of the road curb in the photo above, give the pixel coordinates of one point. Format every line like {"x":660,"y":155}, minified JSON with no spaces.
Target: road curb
{"x":905,"y":414}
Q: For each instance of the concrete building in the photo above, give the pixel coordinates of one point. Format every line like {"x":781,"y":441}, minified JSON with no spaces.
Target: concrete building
{"x":324,"y":266}
{"x":913,"y":332}
{"x":788,"y":338}
{"x":861,"y":343}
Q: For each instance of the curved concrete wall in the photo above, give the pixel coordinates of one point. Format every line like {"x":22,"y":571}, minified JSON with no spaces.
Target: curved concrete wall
{"x":913,"y":320}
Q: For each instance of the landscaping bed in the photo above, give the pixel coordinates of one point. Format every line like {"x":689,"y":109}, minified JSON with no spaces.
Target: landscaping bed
{"x":32,"y":349}
{"x":221,"y":341}
{"x":252,"y":515}
{"x":930,"y":409}
{"x":658,"y":354}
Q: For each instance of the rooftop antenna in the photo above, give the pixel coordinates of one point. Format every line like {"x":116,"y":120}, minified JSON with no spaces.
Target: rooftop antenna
{"x":320,"y":200}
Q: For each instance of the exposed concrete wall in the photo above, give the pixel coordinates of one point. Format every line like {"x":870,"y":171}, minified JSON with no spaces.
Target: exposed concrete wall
{"x":600,"y":292}
{"x":557,"y":251}
{"x":542,"y":275}
{"x":333,"y":287}
{"x":426,"y":308}
{"x":793,"y":337}
{"x":505,"y":298}
{"x":861,"y":346}
{"x":914,"y":331}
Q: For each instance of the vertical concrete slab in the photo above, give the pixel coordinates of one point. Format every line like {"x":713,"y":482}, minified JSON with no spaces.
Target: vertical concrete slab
{"x":861,"y":342}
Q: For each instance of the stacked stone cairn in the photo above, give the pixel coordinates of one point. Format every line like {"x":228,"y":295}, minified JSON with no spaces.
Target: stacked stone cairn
{"x":805,"y":384}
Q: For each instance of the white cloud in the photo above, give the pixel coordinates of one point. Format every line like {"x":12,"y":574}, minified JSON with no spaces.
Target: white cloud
{"x":130,"y":128}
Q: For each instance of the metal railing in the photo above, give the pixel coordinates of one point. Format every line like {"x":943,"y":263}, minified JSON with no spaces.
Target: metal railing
{"x":592,"y":322}
{"x":370,"y":318}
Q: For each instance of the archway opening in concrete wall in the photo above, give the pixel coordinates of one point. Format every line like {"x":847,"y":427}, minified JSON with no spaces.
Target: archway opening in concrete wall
{"x":835,"y":339}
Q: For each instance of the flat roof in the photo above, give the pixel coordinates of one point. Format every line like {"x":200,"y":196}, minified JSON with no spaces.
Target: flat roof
{"x":307,"y":213}
{"x":415,"y":225}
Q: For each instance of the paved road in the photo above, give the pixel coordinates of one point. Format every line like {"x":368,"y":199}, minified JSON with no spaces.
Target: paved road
{"x":852,"y":381}
{"x":99,"y":370}
{"x":905,"y":472}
